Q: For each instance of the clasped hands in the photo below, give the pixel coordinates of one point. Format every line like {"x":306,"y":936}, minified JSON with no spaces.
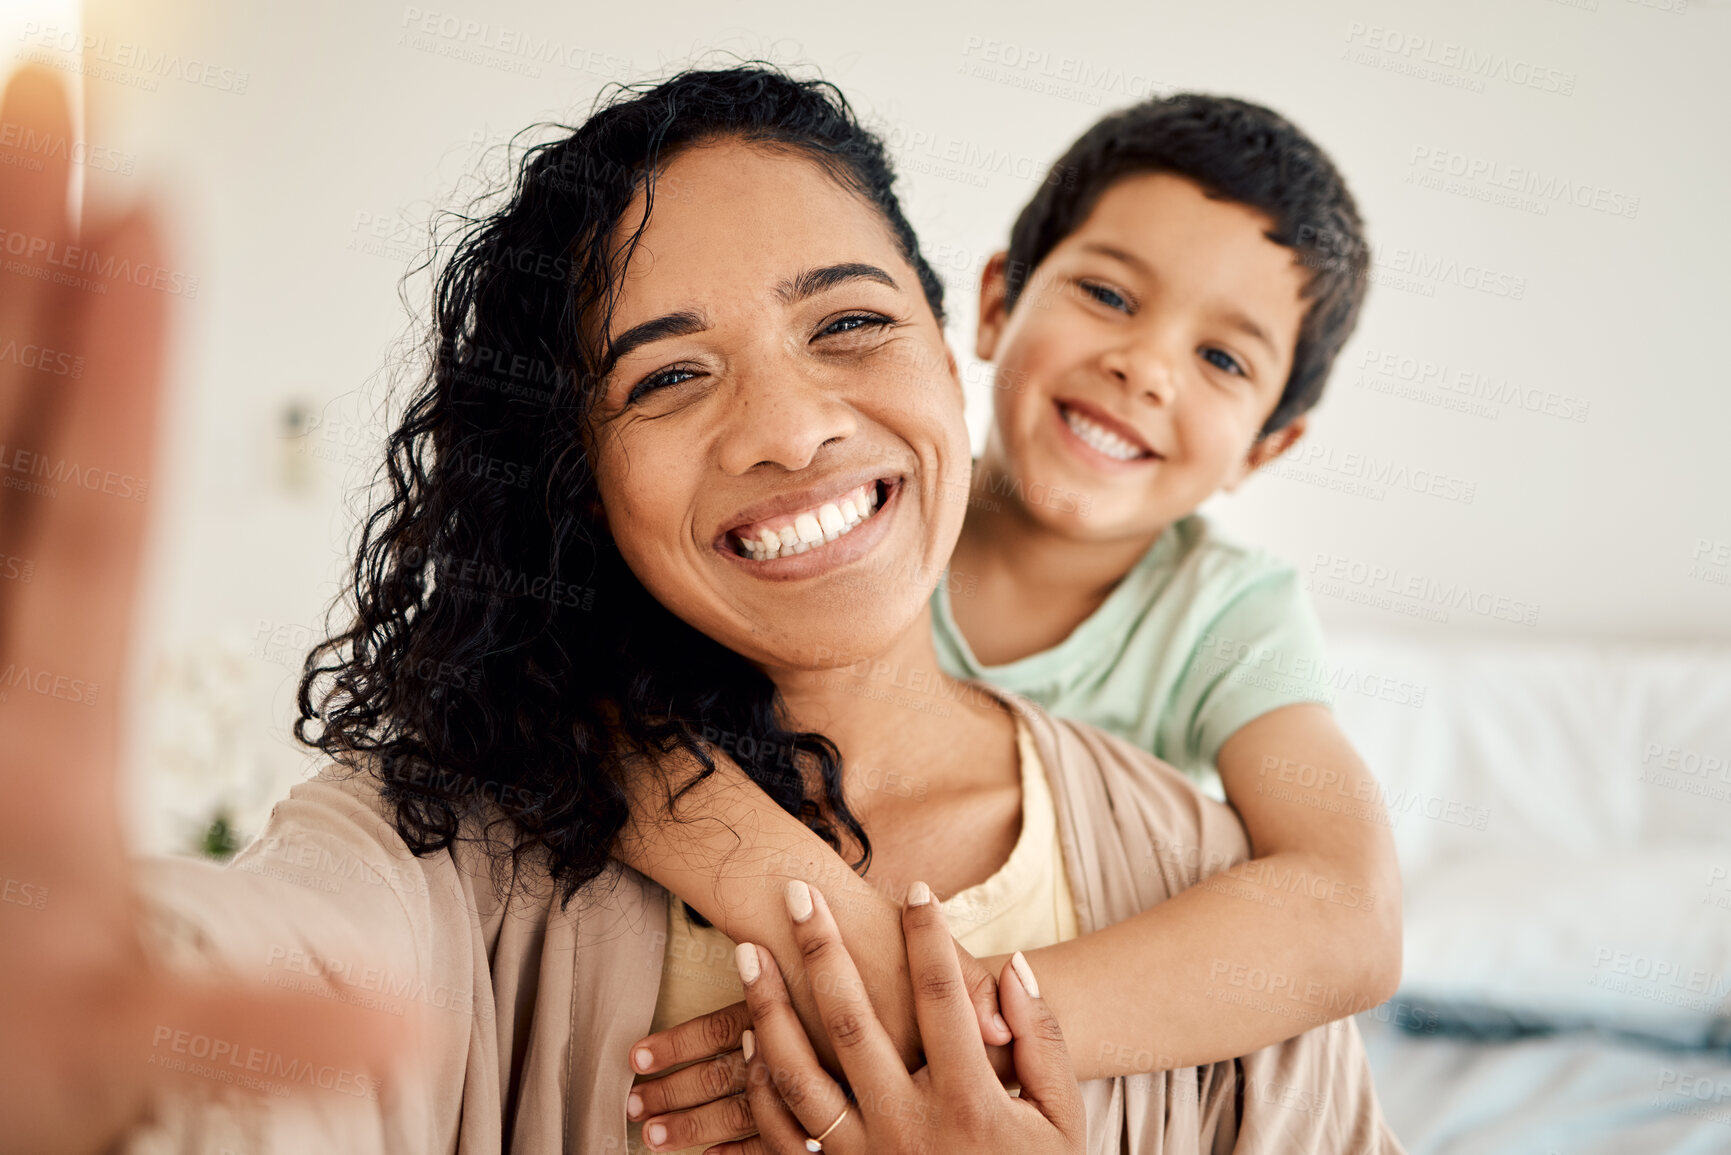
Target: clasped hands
{"x":755,"y":1083}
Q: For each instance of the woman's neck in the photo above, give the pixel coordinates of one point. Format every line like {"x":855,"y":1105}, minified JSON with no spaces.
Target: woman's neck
{"x":923,"y":756}
{"x":894,"y":708}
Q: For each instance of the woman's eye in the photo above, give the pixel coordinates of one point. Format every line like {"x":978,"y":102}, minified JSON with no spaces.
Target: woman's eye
{"x":659,"y":380}
{"x":853,"y":323}
{"x":1221,"y":359}
{"x":1111,"y":298}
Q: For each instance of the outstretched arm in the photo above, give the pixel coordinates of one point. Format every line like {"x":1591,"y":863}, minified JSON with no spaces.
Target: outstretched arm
{"x":95,"y":1022}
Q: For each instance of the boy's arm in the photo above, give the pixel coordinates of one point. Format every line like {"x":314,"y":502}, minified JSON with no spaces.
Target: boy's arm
{"x":1306,"y":932}
{"x":730,"y":851}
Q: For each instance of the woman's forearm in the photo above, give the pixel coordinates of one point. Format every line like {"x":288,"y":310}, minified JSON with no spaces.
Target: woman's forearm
{"x":1247,"y":958}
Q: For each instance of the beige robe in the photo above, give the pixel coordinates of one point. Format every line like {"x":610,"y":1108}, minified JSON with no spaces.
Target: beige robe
{"x":529,"y":1011}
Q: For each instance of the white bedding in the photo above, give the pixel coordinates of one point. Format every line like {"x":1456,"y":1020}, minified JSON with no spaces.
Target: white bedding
{"x":1572,"y":1094}
{"x":1563,"y":817}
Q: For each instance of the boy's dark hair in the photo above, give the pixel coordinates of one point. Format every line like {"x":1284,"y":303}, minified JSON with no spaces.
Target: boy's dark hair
{"x":1237,"y":151}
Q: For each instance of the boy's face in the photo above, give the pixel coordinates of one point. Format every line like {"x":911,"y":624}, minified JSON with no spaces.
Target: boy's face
{"x":1141,"y":359}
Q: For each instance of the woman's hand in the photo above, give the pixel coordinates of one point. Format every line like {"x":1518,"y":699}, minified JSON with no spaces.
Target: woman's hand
{"x":703,"y":1101}
{"x":88,"y":1018}
{"x":954,"y":1103}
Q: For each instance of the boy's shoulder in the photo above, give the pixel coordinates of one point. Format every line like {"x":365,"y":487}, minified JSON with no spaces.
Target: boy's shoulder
{"x":1196,"y":558}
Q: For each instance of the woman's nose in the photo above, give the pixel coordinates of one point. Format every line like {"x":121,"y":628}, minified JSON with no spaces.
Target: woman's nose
{"x":781,"y":416}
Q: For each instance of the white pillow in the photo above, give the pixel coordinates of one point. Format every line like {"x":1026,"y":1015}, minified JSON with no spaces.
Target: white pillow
{"x":1636,"y":941}
{"x":1568,"y":747}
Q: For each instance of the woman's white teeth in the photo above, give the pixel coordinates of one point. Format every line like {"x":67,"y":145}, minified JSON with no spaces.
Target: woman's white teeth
{"x":830,"y":518}
{"x":813,"y":528}
{"x":1099,"y":437}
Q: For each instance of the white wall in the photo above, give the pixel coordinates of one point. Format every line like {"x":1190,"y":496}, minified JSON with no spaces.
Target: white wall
{"x":316,"y":133}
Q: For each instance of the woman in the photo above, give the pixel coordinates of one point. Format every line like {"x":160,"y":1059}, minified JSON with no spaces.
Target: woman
{"x":685,"y":365}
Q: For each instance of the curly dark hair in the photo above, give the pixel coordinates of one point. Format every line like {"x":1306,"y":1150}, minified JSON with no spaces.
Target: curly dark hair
{"x":500,"y":651}
{"x":1240,"y":152}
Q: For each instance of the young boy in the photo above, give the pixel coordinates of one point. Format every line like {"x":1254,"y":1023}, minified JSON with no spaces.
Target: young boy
{"x":1163,"y":319}
{"x":1157,"y":339}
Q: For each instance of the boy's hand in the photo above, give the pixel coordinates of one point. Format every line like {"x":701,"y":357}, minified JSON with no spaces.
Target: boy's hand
{"x":704,"y":1102}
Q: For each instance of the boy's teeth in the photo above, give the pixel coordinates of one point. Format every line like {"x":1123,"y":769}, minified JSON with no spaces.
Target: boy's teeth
{"x":812,"y":528}
{"x":1099,"y":437}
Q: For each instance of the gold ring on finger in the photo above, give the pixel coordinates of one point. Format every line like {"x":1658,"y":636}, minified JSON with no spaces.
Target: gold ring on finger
{"x":816,"y":1144}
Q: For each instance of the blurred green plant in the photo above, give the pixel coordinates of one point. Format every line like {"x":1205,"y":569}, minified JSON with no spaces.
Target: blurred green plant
{"x":219,"y":840}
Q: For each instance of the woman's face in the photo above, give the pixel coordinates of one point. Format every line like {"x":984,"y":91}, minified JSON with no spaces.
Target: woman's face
{"x":780,"y":378}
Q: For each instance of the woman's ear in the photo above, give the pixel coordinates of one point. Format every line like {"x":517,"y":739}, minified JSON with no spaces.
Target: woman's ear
{"x":1264,"y":450}
{"x":993,"y":307}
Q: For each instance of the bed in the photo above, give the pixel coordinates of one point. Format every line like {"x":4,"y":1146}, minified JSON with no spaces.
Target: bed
{"x":1563,"y":816}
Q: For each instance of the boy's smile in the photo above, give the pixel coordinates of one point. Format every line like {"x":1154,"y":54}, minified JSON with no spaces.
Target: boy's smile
{"x":1103,"y":435}
{"x":1142,"y":358}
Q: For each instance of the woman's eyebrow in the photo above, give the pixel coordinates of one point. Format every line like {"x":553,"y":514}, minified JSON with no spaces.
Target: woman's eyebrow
{"x":814,"y":281}
{"x":681,"y":324}
{"x":792,"y":291}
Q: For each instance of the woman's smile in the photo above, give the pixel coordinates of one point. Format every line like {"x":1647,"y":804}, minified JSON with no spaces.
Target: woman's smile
{"x":769,"y":536}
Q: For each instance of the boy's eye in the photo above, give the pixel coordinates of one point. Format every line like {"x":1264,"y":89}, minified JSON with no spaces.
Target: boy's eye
{"x":1221,"y":359}
{"x":1107,"y":296}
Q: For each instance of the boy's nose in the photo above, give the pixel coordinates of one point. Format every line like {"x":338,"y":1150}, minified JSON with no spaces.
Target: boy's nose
{"x":1144,"y":371}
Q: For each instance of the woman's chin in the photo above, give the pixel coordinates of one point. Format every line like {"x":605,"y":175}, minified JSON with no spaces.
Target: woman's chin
{"x":826,"y":640}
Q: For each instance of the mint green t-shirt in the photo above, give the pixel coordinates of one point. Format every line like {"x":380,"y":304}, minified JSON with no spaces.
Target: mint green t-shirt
{"x":1201,"y":637}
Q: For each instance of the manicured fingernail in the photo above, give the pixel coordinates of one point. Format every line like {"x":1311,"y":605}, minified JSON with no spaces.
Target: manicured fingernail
{"x":634,"y":1106}
{"x":656,"y":1134}
{"x":745,"y":962}
{"x":748,"y":1044}
{"x":919,"y":894}
{"x":1026,"y":974}
{"x":798,"y":900}
{"x":643,"y":1058}
{"x":998,"y":1022}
